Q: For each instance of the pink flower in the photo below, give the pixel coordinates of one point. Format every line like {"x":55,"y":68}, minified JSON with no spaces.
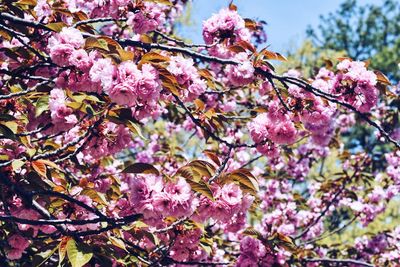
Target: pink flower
{"x":139,"y":191}
{"x":71,"y":36}
{"x":356,"y":85}
{"x":80,"y":82}
{"x":186,"y":74}
{"x":180,"y":254}
{"x":14,"y":254}
{"x":265,"y":88}
{"x":183,"y":69}
{"x":147,"y":19}
{"x":103,"y":71}
{"x":231,"y":194}
{"x":251,"y":247}
{"x":163,"y":203}
{"x":123,"y":94}
{"x":61,"y":53}
{"x":226,"y":24}
{"x":259,"y":128}
{"x":18,"y":242}
{"x":197,"y":88}
{"x":148,"y":84}
{"x":283,"y":133}
{"x":128,"y":72}
{"x":61,"y":115}
{"x":80,"y":59}
{"x":42,"y":9}
{"x":57,"y":99}
{"x":180,"y":191}
{"x":263,"y":128}
{"x":242,"y":74}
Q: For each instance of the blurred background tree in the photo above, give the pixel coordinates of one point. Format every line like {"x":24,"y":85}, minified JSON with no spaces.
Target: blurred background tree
{"x":308,"y":58}
{"x":363,"y":32}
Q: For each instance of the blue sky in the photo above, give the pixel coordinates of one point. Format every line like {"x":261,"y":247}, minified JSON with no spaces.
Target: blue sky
{"x":287,"y":19}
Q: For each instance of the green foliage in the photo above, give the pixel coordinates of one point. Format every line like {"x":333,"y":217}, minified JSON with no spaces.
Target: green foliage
{"x":78,"y":254}
{"x":365,"y":32}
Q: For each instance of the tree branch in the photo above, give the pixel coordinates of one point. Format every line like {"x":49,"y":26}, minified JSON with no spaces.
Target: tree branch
{"x":337,"y":261}
{"x":21,"y":93}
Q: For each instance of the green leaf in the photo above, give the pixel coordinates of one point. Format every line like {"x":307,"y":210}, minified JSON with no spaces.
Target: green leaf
{"x":17,"y":164}
{"x":27,"y":2}
{"x":153,"y":57}
{"x":95,"y":196}
{"x":92,"y":42}
{"x":78,"y":255}
{"x":382,"y":78}
{"x":12,"y":125}
{"x":253,"y":232}
{"x":117,"y":242}
{"x":245,"y":178}
{"x":42,"y":104}
{"x":206,"y":247}
{"x":42,"y":257}
{"x":56,"y":26}
{"x":201,"y":187}
{"x":136,"y":129}
{"x":196,"y":170}
{"x":7,"y":132}
{"x":141,"y":168}
{"x":164,"y":2}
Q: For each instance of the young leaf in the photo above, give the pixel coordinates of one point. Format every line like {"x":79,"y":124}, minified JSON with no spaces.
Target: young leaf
{"x":77,"y":254}
{"x":7,"y":132}
{"x":117,"y":242}
{"x":42,"y":104}
{"x":153,"y":57}
{"x":272,"y":55}
{"x":141,"y":168}
{"x":202,"y":168}
{"x":245,"y":179}
{"x":39,"y":167}
{"x":382,"y":78}
{"x":253,"y":232}
{"x":56,"y":26}
{"x":164,"y":2}
{"x":17,"y":164}
{"x":136,"y":129}
{"x":250,"y":24}
{"x":125,"y":55}
{"x":62,"y":250}
{"x":211,"y":155}
{"x":201,"y":187}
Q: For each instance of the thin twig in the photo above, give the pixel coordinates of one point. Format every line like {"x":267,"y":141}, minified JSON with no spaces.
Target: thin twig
{"x":222,"y":167}
{"x":182,"y":43}
{"x":330,"y":233}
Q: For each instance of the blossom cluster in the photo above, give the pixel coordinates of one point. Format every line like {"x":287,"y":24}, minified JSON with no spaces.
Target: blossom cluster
{"x":154,"y":151}
{"x":125,"y":84}
{"x":353,"y":84}
{"x":356,"y":85}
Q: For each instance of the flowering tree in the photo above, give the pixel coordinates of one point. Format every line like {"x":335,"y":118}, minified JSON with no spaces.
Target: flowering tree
{"x":122,"y":145}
